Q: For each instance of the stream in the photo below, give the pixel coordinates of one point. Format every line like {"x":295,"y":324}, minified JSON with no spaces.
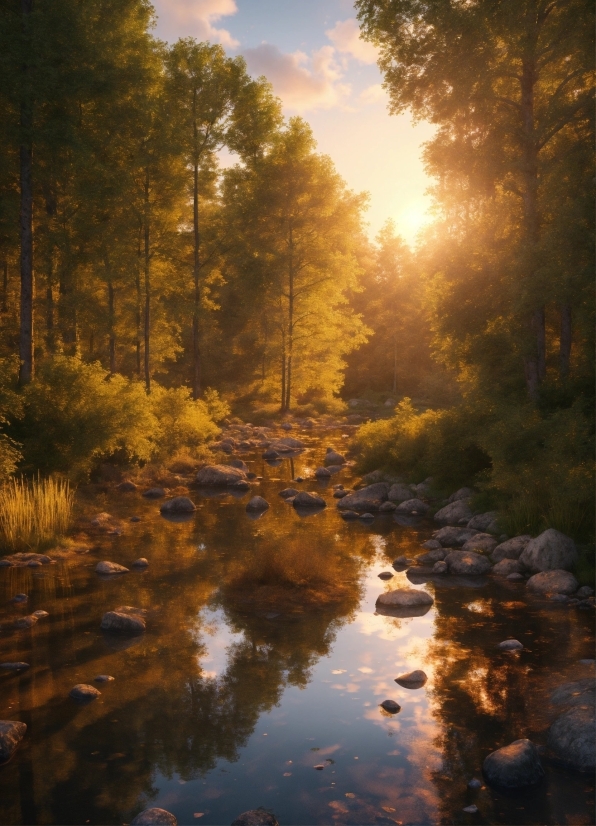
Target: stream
{"x":222,"y":706}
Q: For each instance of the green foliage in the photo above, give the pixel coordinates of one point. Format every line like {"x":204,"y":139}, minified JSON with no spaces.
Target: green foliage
{"x":182,"y":422}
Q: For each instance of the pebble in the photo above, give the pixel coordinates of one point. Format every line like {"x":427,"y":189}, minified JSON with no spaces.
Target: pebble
{"x":413,"y":679}
{"x":515,"y":577}
{"x":140,"y":563}
{"x":471,"y":809}
{"x":510,"y":645}
{"x":84,"y":693}
{"x":14,"y":666}
{"x":102,"y":678}
{"x":391,"y":706}
{"x":348,"y":515}
{"x":109,"y":568}
{"x":40,"y":614}
{"x":475,"y":783}
{"x":385,"y":575}
{"x":25,"y":622}
{"x":319,"y":767}
{"x":19,"y":598}
{"x":366,"y":517}
{"x":154,"y":817}
{"x":135,"y":518}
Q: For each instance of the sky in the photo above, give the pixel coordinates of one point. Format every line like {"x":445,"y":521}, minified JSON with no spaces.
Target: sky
{"x":311,"y":52}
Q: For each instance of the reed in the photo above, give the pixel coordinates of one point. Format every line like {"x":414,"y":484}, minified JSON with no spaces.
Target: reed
{"x":34,"y":513}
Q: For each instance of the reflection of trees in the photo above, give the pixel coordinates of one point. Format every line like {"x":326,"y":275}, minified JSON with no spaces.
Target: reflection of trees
{"x":484,"y":698}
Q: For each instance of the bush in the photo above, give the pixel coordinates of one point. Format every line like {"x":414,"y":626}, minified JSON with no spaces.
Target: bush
{"x":183,"y":422}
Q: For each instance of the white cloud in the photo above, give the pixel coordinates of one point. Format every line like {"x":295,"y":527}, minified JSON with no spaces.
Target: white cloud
{"x":195,"y":18}
{"x":345,"y":36}
{"x":373,"y":94}
{"x":302,"y":82}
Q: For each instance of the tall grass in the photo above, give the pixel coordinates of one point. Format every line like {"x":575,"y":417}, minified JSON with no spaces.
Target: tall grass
{"x":34,"y":513}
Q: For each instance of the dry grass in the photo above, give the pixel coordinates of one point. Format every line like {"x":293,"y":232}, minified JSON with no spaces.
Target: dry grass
{"x":34,"y":513}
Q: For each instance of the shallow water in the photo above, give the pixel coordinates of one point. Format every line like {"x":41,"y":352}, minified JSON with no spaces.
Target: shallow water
{"x":221,"y":707}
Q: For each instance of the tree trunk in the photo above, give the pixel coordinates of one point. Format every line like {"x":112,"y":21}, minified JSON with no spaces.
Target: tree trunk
{"x":5,"y":285}
{"x":283,"y":372}
{"x":394,"y":389}
{"x":147,"y":318}
{"x":112,"y":333}
{"x":196,"y":351}
{"x":26,"y":211}
{"x":288,"y":401}
{"x":138,"y":312}
{"x":565,"y":342}
{"x":50,"y":341}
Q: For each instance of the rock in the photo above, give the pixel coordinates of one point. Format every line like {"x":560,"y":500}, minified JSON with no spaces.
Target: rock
{"x":258,"y":817}
{"x":515,"y":577}
{"x":242,"y":484}
{"x":514,"y":766}
{"x":510,"y":645}
{"x":416,"y":506}
{"x":462,"y":493}
{"x":24,"y":559}
{"x":127,"y":486}
{"x":270,"y":455}
{"x":550,"y":551}
{"x":584,"y":591}
{"x":19,"y":598}
{"x":452,"y":537}
{"x":339,"y":494}
{"x":180,"y":504}
{"x":286,"y":426}
{"x":108,"y":568}
{"x":405,"y":598}
{"x":413,"y":679}
{"x":117,"y":622}
{"x":390,"y":706}
{"x":474,"y":783}
{"x":84,"y":693}
{"x":559,"y":598}
{"x":40,"y":614}
{"x":154,"y":493}
{"x":154,"y":817}
{"x":322,"y":473}
{"x":440,"y":568}
{"x":576,"y":693}
{"x":334,"y":458}
{"x":308,"y":500}
{"x":348,"y":515}
{"x":506,"y":567}
{"x":25,"y":622}
{"x":431,"y":545}
{"x":135,"y":518}
{"x":366,"y":517}
{"x":389,"y":403}
{"x":467,"y":563}
{"x":572,"y":737}
{"x":399,"y":492}
{"x":485,"y":522}
{"x":140,"y":563}
{"x":17,"y":666}
{"x":432,"y":556}
{"x":103,"y":678}
{"x":471,"y":810}
{"x":11,"y":734}
{"x":452,"y":514}
{"x":287,"y":493}
{"x":257,"y":504}
{"x":482,"y":543}
{"x":218,"y":476}
{"x":369,"y":498}
{"x":239,"y":464}
{"x":553,"y":582}
{"x":387,"y":507}
{"x":401,"y":562}
{"x":511,"y":549}
{"x":385,"y":575}
{"x":319,"y":767}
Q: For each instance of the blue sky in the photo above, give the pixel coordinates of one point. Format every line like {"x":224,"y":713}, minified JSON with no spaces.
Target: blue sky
{"x":311,"y":52}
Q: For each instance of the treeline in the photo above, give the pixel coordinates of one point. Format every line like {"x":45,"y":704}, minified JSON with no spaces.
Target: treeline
{"x":509,"y":262}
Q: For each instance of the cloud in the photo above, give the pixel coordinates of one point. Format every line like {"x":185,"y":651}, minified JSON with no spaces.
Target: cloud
{"x":373,"y":94}
{"x":302,"y":82}
{"x":345,"y":36}
{"x":195,"y":18}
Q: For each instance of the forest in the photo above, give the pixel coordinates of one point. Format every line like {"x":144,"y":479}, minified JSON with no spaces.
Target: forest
{"x":149,"y":290}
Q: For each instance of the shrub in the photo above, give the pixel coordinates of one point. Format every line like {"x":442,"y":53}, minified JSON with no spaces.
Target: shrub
{"x":183,"y":422}
{"x":34,"y":514}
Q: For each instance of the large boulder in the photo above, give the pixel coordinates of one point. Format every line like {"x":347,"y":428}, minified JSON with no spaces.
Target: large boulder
{"x":256,"y":817}
{"x":11,"y":734}
{"x":368,"y":499}
{"x":308,"y":500}
{"x":550,"y":551}
{"x":514,"y":766}
{"x":218,"y":476}
{"x":180,"y":504}
{"x":106,"y":568}
{"x":467,"y":563}
{"x":399,"y":492}
{"x":413,"y":506}
{"x":257,"y":504}
{"x":405,"y":598}
{"x":413,"y":679}
{"x":154,"y":817}
{"x":506,"y":567}
{"x":322,"y":473}
{"x":511,"y":548}
{"x":452,"y":537}
{"x":332,"y":457}
{"x":120,"y":622}
{"x":572,"y":737}
{"x":482,"y":543}
{"x":486,"y":522}
{"x":553,"y":582}
{"x":462,"y":493}
{"x":454,"y":514}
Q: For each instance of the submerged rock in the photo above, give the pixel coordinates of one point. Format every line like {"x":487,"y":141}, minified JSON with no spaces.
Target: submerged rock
{"x":308,"y":500}
{"x":19,"y":598}
{"x":84,"y":693}
{"x":127,"y":486}
{"x":387,"y":507}
{"x":553,"y":582}
{"x":385,"y":575}
{"x":348,"y":515}
{"x":17,"y":666}
{"x":257,"y":504}
{"x":405,"y":598}
{"x":180,"y":504}
{"x":140,"y":563}
{"x":287,"y":493}
{"x":214,"y":476}
{"x":510,"y":645}
{"x":257,"y":817}
{"x":154,"y":817}
{"x":154,"y":493}
{"x":103,"y":678}
{"x":550,"y":551}
{"x":514,"y":766}
{"x":323,"y":473}
{"x":23,"y":623}
{"x":108,"y":568}
{"x":334,"y":458}
{"x":413,"y":679}
{"x":11,"y":734}
{"x":118,"y":622}
{"x":391,"y":706}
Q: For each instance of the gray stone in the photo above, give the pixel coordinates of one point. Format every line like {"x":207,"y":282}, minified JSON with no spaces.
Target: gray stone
{"x":453,"y":514}
{"x":572,"y":737}
{"x":510,"y":645}
{"x":474,"y":783}
{"x":385,"y":575}
{"x":431,"y":545}
{"x":19,"y":598}
{"x":308,"y":500}
{"x":584,"y":591}
{"x":485,"y":522}
{"x":180,"y":504}
{"x":506,"y":567}
{"x":141,"y":562}
{"x":432,"y":556}
{"x":413,"y":679}
{"x":270,"y":455}
{"x":118,"y":622}
{"x":467,"y":563}
{"x":154,"y":817}
{"x":257,"y":504}
{"x":11,"y":734}
{"x":511,"y":549}
{"x":323,"y":473}
{"x":257,"y":817}
{"x":349,"y":515}
{"x":287,"y":493}
{"x":550,"y":551}
{"x":339,"y":494}
{"x":387,"y":507}
{"x":414,"y":506}
{"x":401,"y":562}
{"x":514,"y":766}
{"x":399,"y":492}
{"x":405,"y":598}
{"x":127,"y":486}
{"x":440,"y":568}
{"x":40,"y":614}
{"x":471,"y":810}
{"x":239,"y":464}
{"x":218,"y":476}
{"x":103,"y":678}
{"x":16,"y":666}
{"x":334,"y":458}
{"x":553,"y":582}
{"x":369,"y":498}
{"x":366,"y":517}
{"x":452,"y":537}
{"x":84,"y":693}
{"x":462,"y":493}
{"x":515,"y":577}
{"x":579,"y":692}
{"x":23,"y":623}
{"x":154,"y":493}
{"x":286,"y":426}
{"x":390,"y":706}
{"x":108,"y":568}
{"x":482,"y":543}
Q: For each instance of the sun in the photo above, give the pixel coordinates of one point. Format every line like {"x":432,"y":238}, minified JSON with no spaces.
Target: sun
{"x":413,"y":218}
